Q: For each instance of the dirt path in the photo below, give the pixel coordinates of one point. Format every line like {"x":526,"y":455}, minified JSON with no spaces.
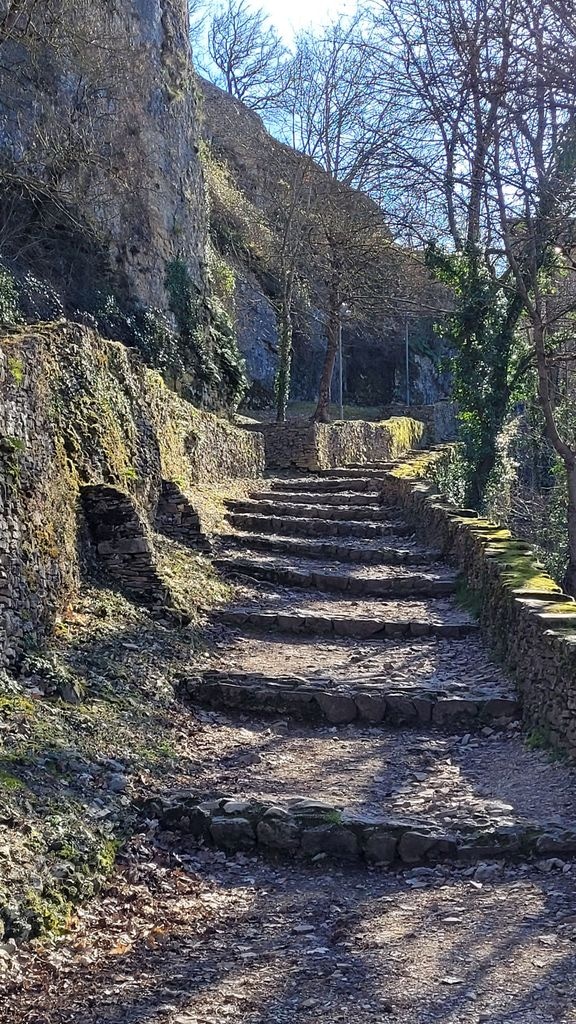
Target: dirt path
{"x":188,"y":934}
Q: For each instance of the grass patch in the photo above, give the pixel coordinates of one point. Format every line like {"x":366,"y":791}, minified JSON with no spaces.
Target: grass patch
{"x":467,"y":598}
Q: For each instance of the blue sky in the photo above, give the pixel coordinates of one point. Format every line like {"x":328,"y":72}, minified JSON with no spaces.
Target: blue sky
{"x":291,"y":15}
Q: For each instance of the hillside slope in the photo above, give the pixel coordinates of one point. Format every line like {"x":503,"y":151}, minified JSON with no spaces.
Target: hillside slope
{"x":249,"y":176}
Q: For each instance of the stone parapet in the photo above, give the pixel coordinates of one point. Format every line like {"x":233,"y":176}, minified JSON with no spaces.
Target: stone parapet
{"x":308,"y":446}
{"x":531,"y":622}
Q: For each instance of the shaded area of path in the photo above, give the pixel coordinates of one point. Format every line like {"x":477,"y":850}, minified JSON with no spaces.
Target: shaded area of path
{"x":205,"y":940}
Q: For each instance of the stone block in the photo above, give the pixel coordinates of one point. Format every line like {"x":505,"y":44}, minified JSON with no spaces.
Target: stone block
{"x":232,"y":833}
{"x":278,"y":833}
{"x":451,"y":710}
{"x":414,"y":846}
{"x":379,"y":846}
{"x":371,"y":708}
{"x":333,"y":840}
{"x":337,"y":708}
{"x":400,"y":710}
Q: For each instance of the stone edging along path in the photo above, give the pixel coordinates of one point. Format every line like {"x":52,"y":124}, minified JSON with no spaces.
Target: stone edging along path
{"x":315,"y":830}
{"x":530,"y":621}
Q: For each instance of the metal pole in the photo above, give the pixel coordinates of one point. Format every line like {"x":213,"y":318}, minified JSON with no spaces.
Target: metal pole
{"x":407,"y":346}
{"x":341,"y":371}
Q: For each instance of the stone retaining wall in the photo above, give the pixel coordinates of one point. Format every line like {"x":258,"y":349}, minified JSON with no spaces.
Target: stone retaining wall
{"x":302,"y":445}
{"x":440,"y":418}
{"x":177,"y":518}
{"x":77,"y":411}
{"x":531,"y":622}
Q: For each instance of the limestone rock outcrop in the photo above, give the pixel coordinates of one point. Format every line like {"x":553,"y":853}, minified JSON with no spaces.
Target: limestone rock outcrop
{"x":98,"y":132}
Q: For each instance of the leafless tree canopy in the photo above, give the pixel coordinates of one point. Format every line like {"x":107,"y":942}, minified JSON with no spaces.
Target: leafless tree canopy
{"x":249,"y":55}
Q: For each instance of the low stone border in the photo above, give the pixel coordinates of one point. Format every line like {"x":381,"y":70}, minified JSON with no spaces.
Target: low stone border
{"x":328,"y":550}
{"x":340,"y":705}
{"x":314,"y":446}
{"x":314,"y":830}
{"x":362,"y":628}
{"x":316,"y":527}
{"x":531,"y":623}
{"x":404,"y":586}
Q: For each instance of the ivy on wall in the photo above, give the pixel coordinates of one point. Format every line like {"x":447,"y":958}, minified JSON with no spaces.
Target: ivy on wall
{"x":195,"y":349}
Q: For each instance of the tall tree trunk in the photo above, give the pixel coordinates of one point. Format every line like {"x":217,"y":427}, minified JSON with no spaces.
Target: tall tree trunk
{"x":570,"y":577}
{"x":322,"y":413}
{"x":476,"y":489}
{"x":282,"y":383}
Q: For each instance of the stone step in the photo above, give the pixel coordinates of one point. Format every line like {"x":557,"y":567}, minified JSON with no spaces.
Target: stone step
{"x":290,"y":525}
{"x":456,"y":668}
{"x":367,"y":473}
{"x":386,"y":464}
{"x":313,"y":829}
{"x":345,"y":552}
{"x":322,"y":485}
{"x":305,"y":574}
{"x":366,"y":700}
{"x":381,"y":796}
{"x":306,"y":497}
{"x":337,"y":513}
{"x":341,"y":624}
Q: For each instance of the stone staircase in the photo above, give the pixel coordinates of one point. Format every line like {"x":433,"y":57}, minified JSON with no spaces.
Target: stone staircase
{"x":346,"y":635}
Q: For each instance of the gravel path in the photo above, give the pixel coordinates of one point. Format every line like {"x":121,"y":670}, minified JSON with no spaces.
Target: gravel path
{"x":202,"y":939}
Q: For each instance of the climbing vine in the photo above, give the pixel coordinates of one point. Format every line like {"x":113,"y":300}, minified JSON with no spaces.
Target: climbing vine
{"x":481,"y":332}
{"x":215,"y":369}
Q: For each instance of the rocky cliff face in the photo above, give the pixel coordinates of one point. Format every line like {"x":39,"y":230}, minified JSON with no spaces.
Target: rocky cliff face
{"x":98,"y":134}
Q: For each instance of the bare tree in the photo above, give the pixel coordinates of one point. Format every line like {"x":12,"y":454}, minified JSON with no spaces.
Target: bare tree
{"x":330,"y":117}
{"x":248,"y":54}
{"x":534,"y":181}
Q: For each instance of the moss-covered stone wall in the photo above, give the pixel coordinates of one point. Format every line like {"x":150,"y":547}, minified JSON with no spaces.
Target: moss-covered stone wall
{"x":302,"y":445}
{"x":76,"y":410}
{"x":532,"y":624}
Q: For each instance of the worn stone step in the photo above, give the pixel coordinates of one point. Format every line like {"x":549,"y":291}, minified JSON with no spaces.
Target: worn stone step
{"x":459,"y":668}
{"x":300,"y":573}
{"x":309,"y":497}
{"x":343,"y":551}
{"x":342,"y":624}
{"x":290,"y":525}
{"x":323,"y":485}
{"x":365,"y":700}
{"x":339,"y":513}
{"x":313,"y":829}
{"x":382,"y":796}
{"x":368,"y":473}
{"x":386,"y":464}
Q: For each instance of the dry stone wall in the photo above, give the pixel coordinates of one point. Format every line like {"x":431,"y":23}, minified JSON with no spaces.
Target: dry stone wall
{"x":302,"y":445}
{"x":78,"y":412}
{"x":531,"y":622}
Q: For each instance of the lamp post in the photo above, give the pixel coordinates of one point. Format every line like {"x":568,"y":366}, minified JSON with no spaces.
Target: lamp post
{"x":343,"y":313}
{"x":407,"y":357}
